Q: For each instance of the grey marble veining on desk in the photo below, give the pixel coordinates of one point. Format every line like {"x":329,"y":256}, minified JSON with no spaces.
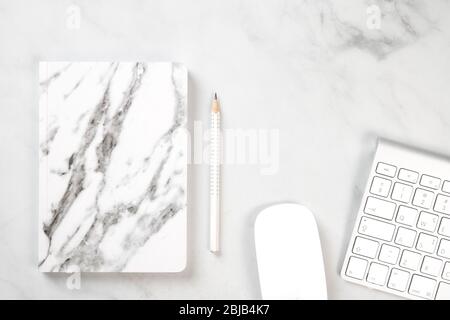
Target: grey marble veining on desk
{"x":317,"y":71}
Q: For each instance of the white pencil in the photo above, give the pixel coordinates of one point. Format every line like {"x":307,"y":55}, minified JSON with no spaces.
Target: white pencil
{"x":215,"y":155}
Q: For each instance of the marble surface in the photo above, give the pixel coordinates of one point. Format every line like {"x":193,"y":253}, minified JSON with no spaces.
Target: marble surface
{"x":112,"y":167}
{"x":321,"y":72}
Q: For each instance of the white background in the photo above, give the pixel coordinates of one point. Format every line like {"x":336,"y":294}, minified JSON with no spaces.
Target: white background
{"x":311,"y":69}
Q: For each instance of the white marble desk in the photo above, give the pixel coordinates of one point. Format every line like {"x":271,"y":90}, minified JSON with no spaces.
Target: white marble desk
{"x":314,"y":70}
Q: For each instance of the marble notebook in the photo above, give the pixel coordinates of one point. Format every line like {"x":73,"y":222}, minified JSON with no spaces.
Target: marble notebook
{"x":112,"y":167}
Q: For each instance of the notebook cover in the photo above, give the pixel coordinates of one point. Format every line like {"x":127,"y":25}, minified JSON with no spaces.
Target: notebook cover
{"x":112,"y":167}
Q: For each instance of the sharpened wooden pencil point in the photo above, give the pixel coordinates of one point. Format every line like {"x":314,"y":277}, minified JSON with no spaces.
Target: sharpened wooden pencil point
{"x":215,"y":104}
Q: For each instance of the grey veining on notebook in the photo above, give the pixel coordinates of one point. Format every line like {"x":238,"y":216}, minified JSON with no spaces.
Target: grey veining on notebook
{"x":105,"y":128}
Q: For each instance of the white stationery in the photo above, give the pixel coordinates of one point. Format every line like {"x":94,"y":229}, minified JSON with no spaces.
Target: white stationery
{"x":112,"y":167}
{"x":215,"y":155}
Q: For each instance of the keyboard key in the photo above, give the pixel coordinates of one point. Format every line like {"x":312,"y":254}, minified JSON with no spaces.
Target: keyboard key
{"x":365,"y":247}
{"x":431,"y":266}
{"x":377,"y":274}
{"x":398,"y":279}
{"x":402,"y":192}
{"x":443,"y":292}
{"x":426,"y":243}
{"x":406,"y":215}
{"x":442,"y":204}
{"x":422,"y":287}
{"x":386,"y":169}
{"x":410,"y":260}
{"x":380,"y":187}
{"x":356,"y":268}
{"x":380,"y":208}
{"x":446,"y":272}
{"x":405,"y":237}
{"x":408,"y":176}
{"x":430,"y":182}
{"x":427,"y":221}
{"x":423,"y":198}
{"x":389,"y":254}
{"x":446,"y":187}
{"x":444,"y":227}
{"x":376,"y":229}
{"x":444,"y":249}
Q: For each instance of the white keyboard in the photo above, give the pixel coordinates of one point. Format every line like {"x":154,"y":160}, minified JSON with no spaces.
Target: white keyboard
{"x":401,"y":239}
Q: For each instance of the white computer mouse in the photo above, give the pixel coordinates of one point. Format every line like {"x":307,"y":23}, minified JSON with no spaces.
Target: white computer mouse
{"x":289,"y":254}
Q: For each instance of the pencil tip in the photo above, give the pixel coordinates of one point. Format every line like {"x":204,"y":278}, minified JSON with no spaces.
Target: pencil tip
{"x":215,"y":95}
